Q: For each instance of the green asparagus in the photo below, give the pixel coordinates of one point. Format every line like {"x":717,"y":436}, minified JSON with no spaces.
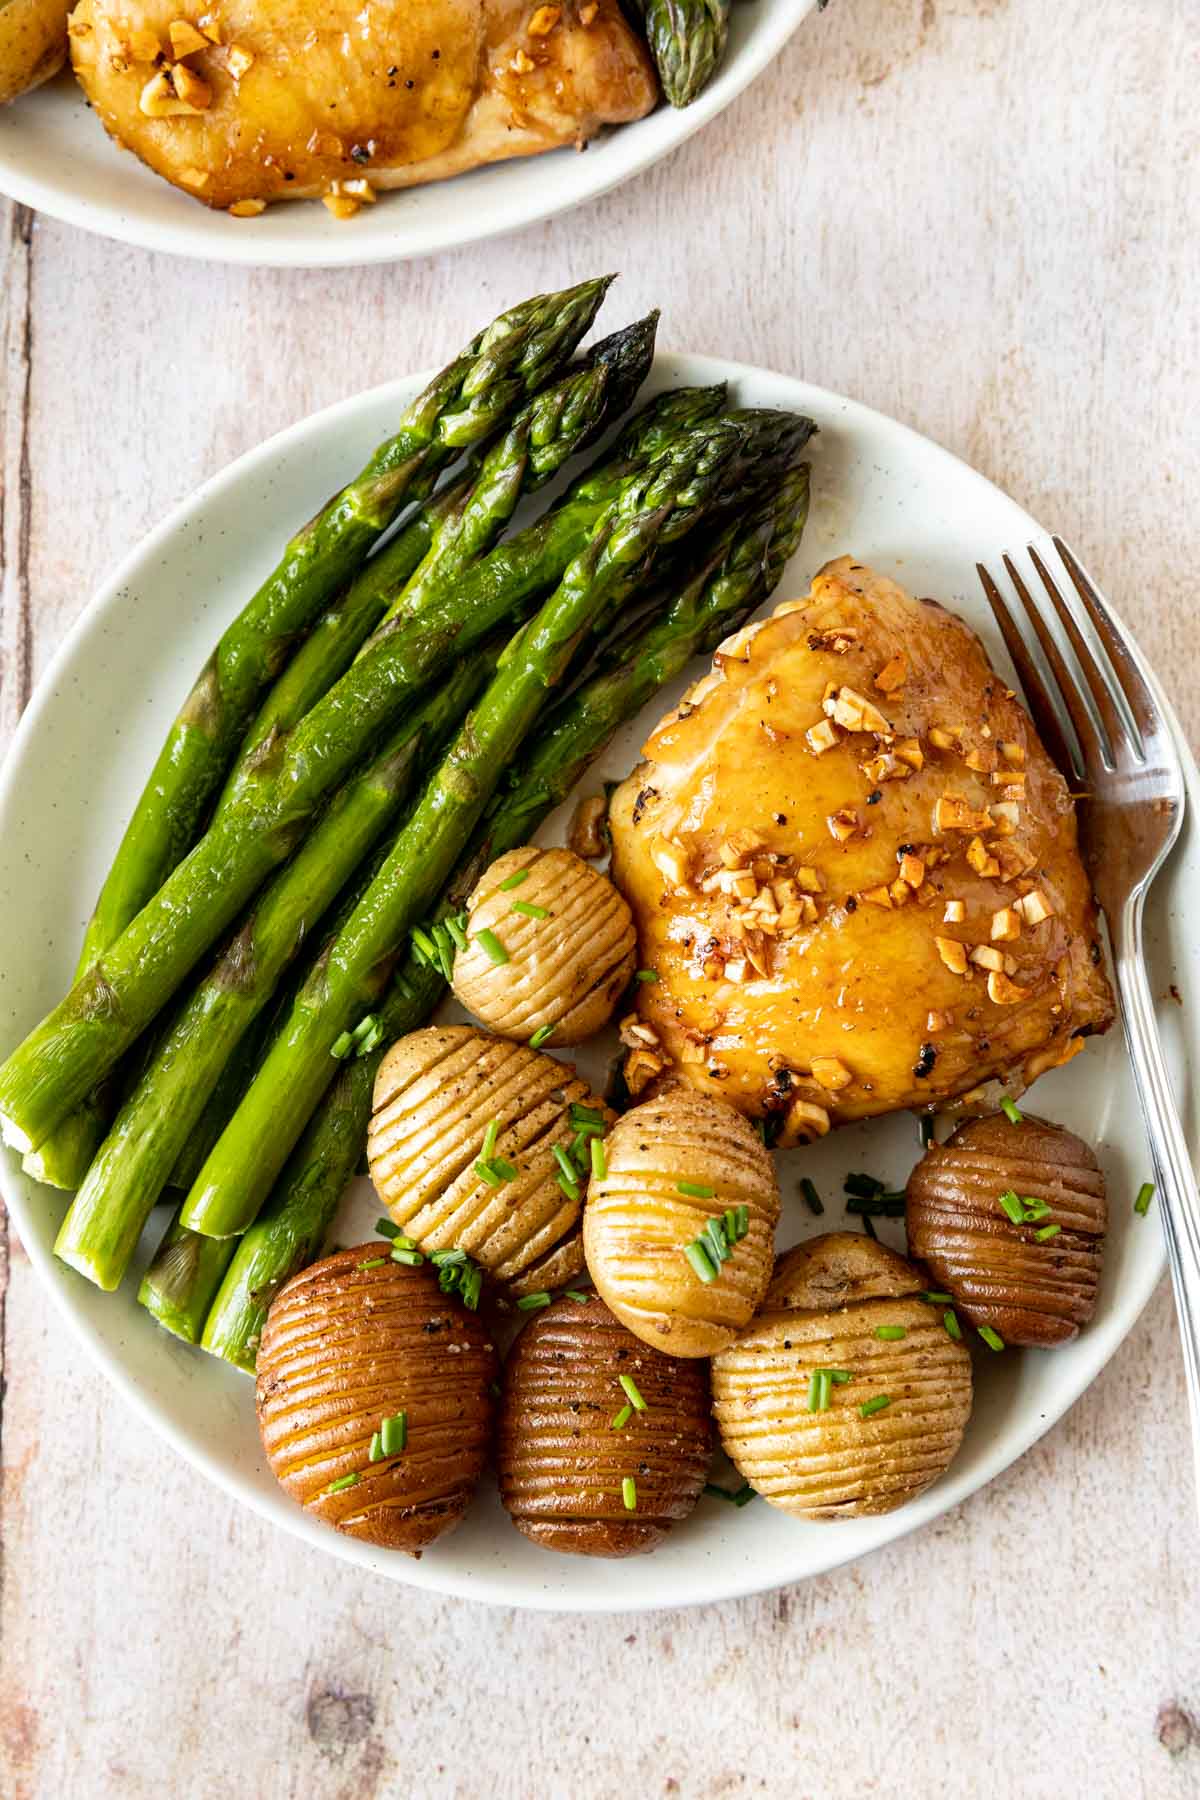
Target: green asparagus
{"x":734,"y":577}
{"x":75,"y":1046}
{"x":687,"y":40}
{"x":659,"y":509}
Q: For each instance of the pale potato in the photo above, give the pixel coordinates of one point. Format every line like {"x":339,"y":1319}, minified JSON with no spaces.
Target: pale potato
{"x":637,"y":1223}
{"x":565,"y":971}
{"x":436,"y":1093}
{"x":33,"y":44}
{"x":825,"y":1306}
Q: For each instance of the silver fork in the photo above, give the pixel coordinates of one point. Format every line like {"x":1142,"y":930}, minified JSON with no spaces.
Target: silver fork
{"x":1130,"y":814}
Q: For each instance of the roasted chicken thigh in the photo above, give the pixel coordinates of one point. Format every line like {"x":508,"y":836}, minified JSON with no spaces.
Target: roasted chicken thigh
{"x":245,"y":101}
{"x":854,"y":869}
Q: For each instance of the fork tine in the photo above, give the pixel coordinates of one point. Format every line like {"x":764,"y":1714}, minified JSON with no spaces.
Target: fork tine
{"x":1099,"y":684}
{"x":1041,"y":705}
{"x":1133,"y":684}
{"x":1068,"y":687}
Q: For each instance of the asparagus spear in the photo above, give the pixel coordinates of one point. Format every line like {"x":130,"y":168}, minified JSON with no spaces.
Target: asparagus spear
{"x":660,"y":508}
{"x":76,"y":1044}
{"x":104,"y":1222}
{"x":184,"y":1278}
{"x":463,"y":404}
{"x":731,"y":581}
{"x":687,"y":40}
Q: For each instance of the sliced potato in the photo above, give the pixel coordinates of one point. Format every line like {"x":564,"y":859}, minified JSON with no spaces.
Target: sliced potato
{"x":1034,"y":1278}
{"x":33,"y":44}
{"x":565,"y":970}
{"x":436,"y":1094}
{"x":827,"y":1447}
{"x":564,"y":1464}
{"x":674,"y":1163}
{"x":349,"y":1343}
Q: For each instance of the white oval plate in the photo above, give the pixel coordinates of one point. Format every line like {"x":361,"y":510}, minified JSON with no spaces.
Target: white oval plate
{"x":79,"y":760}
{"x":56,"y":156}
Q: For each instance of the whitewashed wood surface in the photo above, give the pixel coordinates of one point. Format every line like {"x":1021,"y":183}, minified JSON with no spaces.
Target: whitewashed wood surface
{"x":981,"y":216}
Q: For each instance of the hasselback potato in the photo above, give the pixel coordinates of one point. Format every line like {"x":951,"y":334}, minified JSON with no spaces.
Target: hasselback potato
{"x":673,"y":1164}
{"x":572,"y":1438}
{"x":846,"y":1395}
{"x":1010,"y":1218}
{"x":437,"y":1096}
{"x":567,"y":942}
{"x":374,"y":1397}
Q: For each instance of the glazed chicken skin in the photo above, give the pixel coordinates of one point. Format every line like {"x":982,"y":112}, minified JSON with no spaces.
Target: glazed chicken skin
{"x":854,"y":869}
{"x":245,"y":101}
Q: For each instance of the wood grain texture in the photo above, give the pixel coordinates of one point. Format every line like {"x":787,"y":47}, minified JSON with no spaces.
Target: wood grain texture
{"x":978,"y":215}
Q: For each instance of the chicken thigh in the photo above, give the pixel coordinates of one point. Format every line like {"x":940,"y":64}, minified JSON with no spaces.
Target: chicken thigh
{"x":854,"y":869}
{"x":244,"y":101}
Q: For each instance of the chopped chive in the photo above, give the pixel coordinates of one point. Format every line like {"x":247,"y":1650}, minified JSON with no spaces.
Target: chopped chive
{"x":818,"y":1391}
{"x":443,"y":1259}
{"x":865,"y":1186}
{"x":530,"y":911}
{"x":372,"y":1262}
{"x":514,"y":880}
{"x":1141,"y":1205}
{"x":412,"y":1259}
{"x":869,"y":1227}
{"x":881,"y":1206}
{"x":875,"y":1405}
{"x":715,"y":1242}
{"x":1035,"y":1207}
{"x":1011,"y":1111}
{"x":700,"y":1260}
{"x":365,"y":1027}
{"x":599,"y":1160}
{"x":490,"y":1137}
{"x":695,"y":1190}
{"x":950,"y":1321}
{"x":488,"y":1172}
{"x":341,"y":1045}
{"x":564,"y":1162}
{"x":490,"y":944}
{"x":386,"y":1228}
{"x":1045,"y":1232}
{"x":376,"y":1451}
{"x":729,"y":1225}
{"x":470,"y":1286}
{"x":646,"y":975}
{"x":1013,"y":1207}
{"x":932,"y":1299}
{"x":891,"y":1334}
{"x":630,"y":1388}
{"x":457,"y":933}
{"x":569,"y":1188}
{"x":811,"y":1196}
{"x":743,"y":1220}
{"x":343,"y":1482}
{"x":424,"y":944}
{"x":504,"y":1169}
{"x":736,"y":1497}
{"x":840,"y":1377}
{"x":586,"y":1128}
{"x":991,"y":1338}
{"x":590,"y":1114}
{"x":393,"y":1434}
{"x":629,"y":1493}
{"x":925,"y":1127}
{"x":372,"y":1040}
{"x":620,"y":1420}
{"x":577,"y":1294}
{"x":531,"y":1302}
{"x":541,"y":1036}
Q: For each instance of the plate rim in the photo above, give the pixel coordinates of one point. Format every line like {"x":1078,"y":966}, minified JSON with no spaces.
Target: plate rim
{"x":706,"y":1585}
{"x":243,"y":248}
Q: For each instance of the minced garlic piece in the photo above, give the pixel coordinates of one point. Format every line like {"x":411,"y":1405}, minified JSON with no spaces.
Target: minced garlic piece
{"x":1033,"y":907}
{"x":635,"y":1033}
{"x":936,"y":1021}
{"x":808,"y":880}
{"x":191,"y":88}
{"x":522,"y":63}
{"x":877,"y":896}
{"x":1003,"y":992}
{"x":239,"y":60}
{"x":159,"y":99}
{"x":981,"y":859}
{"x":912,"y":869}
{"x":843,"y":824}
{"x":185,"y":39}
{"x":955,"y":913}
{"x":852,"y":710}
{"x":953,"y":812}
{"x":806,"y":1120}
{"x":737,"y":969}
{"x":194,"y":178}
{"x":830,"y":1072}
{"x":544,"y":20}
{"x":893,"y":674}
{"x":248,"y":209}
{"x":941,"y":739}
{"x":1014,"y":754}
{"x":1006,"y":925}
{"x":909,"y":751}
{"x":143,"y":44}
{"x":984,"y":957}
{"x":671,"y":859}
{"x":953,"y":954}
{"x":822,"y":737}
{"x":641,"y":1066}
{"x":885,"y":767}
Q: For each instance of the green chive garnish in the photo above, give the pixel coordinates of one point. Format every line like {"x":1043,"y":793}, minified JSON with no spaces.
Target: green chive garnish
{"x":376,"y":1451}
{"x":341,"y":1045}
{"x":1011,"y":1111}
{"x":630,"y":1389}
{"x":1141,"y":1205}
{"x":869,"y":1226}
{"x":505,"y":1170}
{"x":585,"y":1115}
{"x":442,"y":1259}
{"x":531,"y":1302}
{"x":932,"y":1299}
{"x":530,"y":911}
{"x":620,"y":1420}
{"x":629,"y":1493}
{"x":386,"y":1228}
{"x":874,"y":1406}
{"x":490,"y":944}
{"x":864,"y":1186}
{"x":700,"y":1260}
{"x":372,"y":1262}
{"x":1046,"y":1232}
{"x":470,"y":1286}
{"x":695,"y":1190}
{"x":1013,"y":1207}
{"x":811,"y":1197}
{"x":569,"y":1188}
{"x":343,"y":1482}
{"x":541,"y":1036}
{"x":646,"y":975}
{"x":891,"y":1334}
{"x":950,"y":1321}
{"x":515,"y":880}
{"x":818,"y":1391}
{"x":423,"y":943}
{"x":739,"y":1496}
{"x":489,"y":1140}
{"x":412,"y":1259}
{"x":564,"y":1162}
{"x":457,"y":933}
{"x":714,"y":1241}
{"x":577,"y":1294}
{"x":599,"y":1160}
{"x":991,"y":1338}
{"x":393,"y":1434}
{"x":1035,"y":1207}
{"x":840,"y":1377}
{"x":488,"y":1172}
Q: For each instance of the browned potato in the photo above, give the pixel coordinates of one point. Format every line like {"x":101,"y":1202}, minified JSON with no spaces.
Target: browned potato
{"x":436,"y":1094}
{"x":822,"y":1445}
{"x":674,"y":1163}
{"x":1033,"y":1280}
{"x":563,"y":1462}
{"x":570,"y":941}
{"x":352,"y":1342}
{"x":33,"y":44}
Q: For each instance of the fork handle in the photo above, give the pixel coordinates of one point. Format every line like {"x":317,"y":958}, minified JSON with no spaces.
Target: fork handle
{"x":1179,"y":1197}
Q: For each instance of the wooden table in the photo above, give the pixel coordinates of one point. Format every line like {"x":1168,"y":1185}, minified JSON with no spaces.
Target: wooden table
{"x":980,"y":216}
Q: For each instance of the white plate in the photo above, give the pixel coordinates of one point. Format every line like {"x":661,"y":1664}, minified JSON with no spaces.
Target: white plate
{"x":56,"y":156}
{"x":78,"y":763}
